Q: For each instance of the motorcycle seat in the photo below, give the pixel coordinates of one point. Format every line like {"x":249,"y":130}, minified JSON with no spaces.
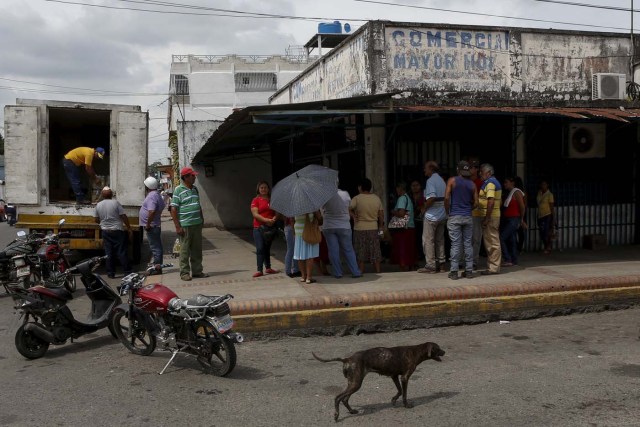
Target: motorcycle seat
{"x":200,"y":300}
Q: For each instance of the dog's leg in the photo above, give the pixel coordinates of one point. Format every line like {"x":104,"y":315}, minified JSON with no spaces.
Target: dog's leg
{"x":354,"y":382}
{"x":405,"y":384}
{"x":396,"y":381}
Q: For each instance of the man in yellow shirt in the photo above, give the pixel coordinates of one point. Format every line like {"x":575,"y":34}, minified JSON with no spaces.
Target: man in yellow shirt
{"x":489,"y":200}
{"x":72,"y":163}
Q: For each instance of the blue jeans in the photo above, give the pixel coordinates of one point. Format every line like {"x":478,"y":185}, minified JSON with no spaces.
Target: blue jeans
{"x":155,"y":244}
{"x":461,"y":234}
{"x":290,"y":267}
{"x":340,"y":239}
{"x":509,"y":239}
{"x":73,"y":175}
{"x":263,"y":250}
{"x":115,"y":247}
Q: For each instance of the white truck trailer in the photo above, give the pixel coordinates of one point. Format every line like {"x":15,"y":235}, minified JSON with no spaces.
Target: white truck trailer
{"x":39,"y":133}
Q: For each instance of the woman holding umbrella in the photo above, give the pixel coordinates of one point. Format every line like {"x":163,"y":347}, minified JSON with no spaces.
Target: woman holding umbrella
{"x":263,"y":217}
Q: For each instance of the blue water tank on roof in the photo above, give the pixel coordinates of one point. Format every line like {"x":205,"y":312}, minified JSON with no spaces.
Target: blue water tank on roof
{"x":334,"y":27}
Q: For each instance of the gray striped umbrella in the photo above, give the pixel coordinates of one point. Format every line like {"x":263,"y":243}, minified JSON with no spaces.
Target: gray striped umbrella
{"x":304,"y":191}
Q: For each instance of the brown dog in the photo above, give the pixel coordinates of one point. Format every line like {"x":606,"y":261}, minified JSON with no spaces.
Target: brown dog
{"x":393,"y":362}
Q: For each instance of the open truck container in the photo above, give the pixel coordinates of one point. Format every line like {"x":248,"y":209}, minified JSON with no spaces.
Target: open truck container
{"x":39,"y":133}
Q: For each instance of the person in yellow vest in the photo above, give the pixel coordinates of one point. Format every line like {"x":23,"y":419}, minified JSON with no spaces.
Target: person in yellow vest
{"x":73,"y":162}
{"x":489,"y":200}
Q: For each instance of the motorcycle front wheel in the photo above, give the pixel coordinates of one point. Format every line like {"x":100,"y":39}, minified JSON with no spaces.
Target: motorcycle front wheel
{"x":216,"y":352}
{"x":33,"y":279}
{"x":70,"y":284}
{"x":141,"y":341}
{"x":29,"y":345}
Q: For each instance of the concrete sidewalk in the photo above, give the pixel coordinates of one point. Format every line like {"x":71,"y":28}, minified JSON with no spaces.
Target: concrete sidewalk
{"x":542,"y":284}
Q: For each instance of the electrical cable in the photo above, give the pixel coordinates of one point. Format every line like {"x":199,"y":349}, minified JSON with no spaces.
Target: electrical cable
{"x":489,"y":15}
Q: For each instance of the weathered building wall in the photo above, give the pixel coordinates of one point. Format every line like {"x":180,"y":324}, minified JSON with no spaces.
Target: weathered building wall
{"x":225,"y":205}
{"x":342,"y":73}
{"x":562,"y":65}
{"x":449,"y":63}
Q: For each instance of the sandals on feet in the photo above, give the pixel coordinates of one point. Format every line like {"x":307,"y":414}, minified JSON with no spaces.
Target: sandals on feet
{"x":310,"y":281}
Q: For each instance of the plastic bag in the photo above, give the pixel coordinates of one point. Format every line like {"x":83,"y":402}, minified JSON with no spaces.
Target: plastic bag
{"x":176,"y":248}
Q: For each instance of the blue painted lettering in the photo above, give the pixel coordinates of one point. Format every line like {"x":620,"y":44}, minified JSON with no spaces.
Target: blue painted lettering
{"x":399,"y":61}
{"x":415,"y":38}
{"x":437,"y":61}
{"x":450,"y":36}
{"x":480,"y":36}
{"x":434,"y":39}
{"x":468,"y":62}
{"x":413,"y":62}
{"x":425,"y":60}
{"x":448,"y":61}
{"x":465,"y":38}
{"x":398,"y":37}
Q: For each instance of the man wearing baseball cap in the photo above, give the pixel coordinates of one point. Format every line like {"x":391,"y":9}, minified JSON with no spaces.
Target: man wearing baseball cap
{"x":72,"y":163}
{"x":187,"y":218}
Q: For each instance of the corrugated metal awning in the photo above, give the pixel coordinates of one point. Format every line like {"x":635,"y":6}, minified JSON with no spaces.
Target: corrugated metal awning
{"x":245,"y":128}
{"x":619,"y":114}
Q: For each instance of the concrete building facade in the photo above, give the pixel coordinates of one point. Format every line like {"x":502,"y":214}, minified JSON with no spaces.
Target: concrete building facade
{"x":542,"y":104}
{"x":205,"y":90}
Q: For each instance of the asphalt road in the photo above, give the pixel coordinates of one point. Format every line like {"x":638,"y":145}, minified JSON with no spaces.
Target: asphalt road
{"x":563,"y":371}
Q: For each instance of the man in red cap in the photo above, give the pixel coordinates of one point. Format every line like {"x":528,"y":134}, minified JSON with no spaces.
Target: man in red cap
{"x":187,"y":217}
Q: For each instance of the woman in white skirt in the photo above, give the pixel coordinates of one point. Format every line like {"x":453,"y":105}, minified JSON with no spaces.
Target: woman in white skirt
{"x":305,"y":252}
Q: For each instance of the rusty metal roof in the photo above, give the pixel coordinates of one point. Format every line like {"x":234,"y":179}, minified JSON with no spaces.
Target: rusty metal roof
{"x":619,"y":114}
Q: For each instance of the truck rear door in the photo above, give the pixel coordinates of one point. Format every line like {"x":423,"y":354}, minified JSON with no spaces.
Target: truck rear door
{"x":131,"y":157}
{"x":21,"y":154}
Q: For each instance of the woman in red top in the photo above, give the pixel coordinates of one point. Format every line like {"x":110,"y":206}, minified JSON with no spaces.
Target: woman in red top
{"x":263,"y":218}
{"x":513,"y":218}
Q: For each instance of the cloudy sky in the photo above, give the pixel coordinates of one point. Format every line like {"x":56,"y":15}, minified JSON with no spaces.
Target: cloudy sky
{"x":119,"y":51}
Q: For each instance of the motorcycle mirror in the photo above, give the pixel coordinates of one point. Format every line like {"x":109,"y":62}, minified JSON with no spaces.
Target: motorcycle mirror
{"x":62,"y":221}
{"x":21,"y":233}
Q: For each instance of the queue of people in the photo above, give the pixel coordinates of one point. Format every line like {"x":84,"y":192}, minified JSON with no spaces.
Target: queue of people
{"x":474,"y":207}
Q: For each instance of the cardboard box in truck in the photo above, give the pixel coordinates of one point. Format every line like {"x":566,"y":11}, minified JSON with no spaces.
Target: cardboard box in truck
{"x":39,"y":133}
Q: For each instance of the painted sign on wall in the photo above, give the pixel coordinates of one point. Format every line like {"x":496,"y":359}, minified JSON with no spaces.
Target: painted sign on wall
{"x":447,"y":58}
{"x":342,"y":74}
{"x":346,"y":70}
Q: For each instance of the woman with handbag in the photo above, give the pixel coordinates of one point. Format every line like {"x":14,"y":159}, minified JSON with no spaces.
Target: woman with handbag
{"x":307,"y":243}
{"x":264,"y":219}
{"x":403,"y":232}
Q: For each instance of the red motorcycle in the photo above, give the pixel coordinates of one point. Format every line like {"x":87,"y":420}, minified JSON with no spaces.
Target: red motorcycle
{"x":53,"y":258}
{"x":200,"y":326}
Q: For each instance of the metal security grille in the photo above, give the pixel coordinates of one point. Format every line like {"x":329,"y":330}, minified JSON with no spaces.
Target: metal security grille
{"x":411,"y":155}
{"x":256,"y":82}
{"x":181,"y":84}
{"x":583,"y":209}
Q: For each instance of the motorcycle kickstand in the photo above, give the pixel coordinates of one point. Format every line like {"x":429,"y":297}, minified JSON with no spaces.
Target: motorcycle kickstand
{"x":174,"y":353}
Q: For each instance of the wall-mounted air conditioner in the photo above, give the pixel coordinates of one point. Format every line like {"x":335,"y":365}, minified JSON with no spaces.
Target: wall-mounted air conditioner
{"x":586,"y":140}
{"x":608,"y":86}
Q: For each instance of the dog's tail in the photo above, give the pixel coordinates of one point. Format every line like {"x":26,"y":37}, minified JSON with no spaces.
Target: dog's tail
{"x":337,"y":359}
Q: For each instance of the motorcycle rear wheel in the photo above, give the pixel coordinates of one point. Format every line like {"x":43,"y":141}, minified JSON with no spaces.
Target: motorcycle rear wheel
{"x":217,"y":353}
{"x":29,"y":345}
{"x":141,"y":342}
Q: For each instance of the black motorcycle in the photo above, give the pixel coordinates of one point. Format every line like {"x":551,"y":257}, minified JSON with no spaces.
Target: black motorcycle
{"x":18,"y":260}
{"x":48,"y":319}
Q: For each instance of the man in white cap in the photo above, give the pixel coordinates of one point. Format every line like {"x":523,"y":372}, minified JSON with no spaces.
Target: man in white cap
{"x":111,"y":217}
{"x":150,"y":219}
{"x":72,"y":163}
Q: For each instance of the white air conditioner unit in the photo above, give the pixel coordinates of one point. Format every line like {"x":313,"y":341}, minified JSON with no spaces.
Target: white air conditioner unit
{"x":608,"y":86}
{"x":586,"y":140}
